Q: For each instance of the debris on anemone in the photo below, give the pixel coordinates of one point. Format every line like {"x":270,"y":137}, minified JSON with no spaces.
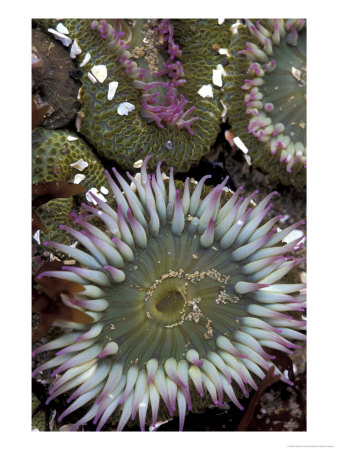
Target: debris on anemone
{"x":188,"y":297}
{"x":266,"y":95}
{"x":140,"y":91}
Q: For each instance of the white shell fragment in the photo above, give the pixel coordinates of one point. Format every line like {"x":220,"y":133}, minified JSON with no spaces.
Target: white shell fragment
{"x":78,"y":123}
{"x":100,"y":72}
{"x":138,"y":164}
{"x":78,"y":178}
{"x":86,"y":59}
{"x":91,"y":77}
{"x":234,"y":27}
{"x":66,"y":41}
{"x":220,"y":21}
{"x":112,"y":86}
{"x":72,"y":138}
{"x":224,"y":51}
{"x":240,"y":144}
{"x":224,"y":111}
{"x":61,"y":28}
{"x":79,"y":165}
{"x":206,"y":91}
{"x":217,"y":77}
{"x":75,"y":49}
{"x":294,"y":234}
{"x":125,"y":108}
{"x":95,"y":192}
{"x":36,"y":236}
{"x":104,"y":190}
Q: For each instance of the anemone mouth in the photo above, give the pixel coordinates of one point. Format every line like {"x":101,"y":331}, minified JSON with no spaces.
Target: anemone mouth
{"x":184,"y":295}
{"x":273,"y":85}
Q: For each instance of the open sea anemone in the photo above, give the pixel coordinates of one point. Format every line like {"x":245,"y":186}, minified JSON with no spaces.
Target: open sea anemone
{"x":185,"y":300}
{"x":266,"y":95}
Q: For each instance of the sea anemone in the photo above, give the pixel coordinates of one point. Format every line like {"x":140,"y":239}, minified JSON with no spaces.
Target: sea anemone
{"x":183,"y":290}
{"x":61,"y":155}
{"x":266,"y":95}
{"x":138,"y":95}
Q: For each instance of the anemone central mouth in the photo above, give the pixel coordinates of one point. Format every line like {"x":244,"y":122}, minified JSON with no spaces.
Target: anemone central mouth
{"x":171,"y":303}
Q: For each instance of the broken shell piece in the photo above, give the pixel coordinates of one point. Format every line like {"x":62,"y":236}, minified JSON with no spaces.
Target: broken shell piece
{"x":66,"y":41}
{"x":78,"y":178}
{"x":104,"y":190}
{"x":79,"y":165}
{"x":217,"y":77}
{"x":206,"y":91}
{"x":91,"y":77}
{"x":97,"y":194}
{"x":294,"y":234}
{"x":138,"y":164}
{"x":100,"y":72}
{"x":240,"y":144}
{"x":112,"y":86}
{"x":86,"y":59}
{"x":61,"y":28}
{"x":224,"y":51}
{"x":72,"y":138}
{"x":36,"y":236}
{"x":75,"y":49}
{"x":125,"y":108}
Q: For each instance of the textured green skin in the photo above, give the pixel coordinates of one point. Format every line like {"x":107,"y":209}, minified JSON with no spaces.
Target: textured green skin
{"x":129,"y":138}
{"x":52,"y":155}
{"x":259,"y":152}
{"x":39,"y":419}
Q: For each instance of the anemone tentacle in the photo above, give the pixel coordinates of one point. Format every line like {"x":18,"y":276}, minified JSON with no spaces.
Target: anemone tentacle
{"x":177,"y":315}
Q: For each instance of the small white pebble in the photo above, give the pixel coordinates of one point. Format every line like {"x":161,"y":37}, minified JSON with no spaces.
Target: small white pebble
{"x":100,"y":72}
{"x":95,"y":192}
{"x":78,"y":178}
{"x":79,"y":165}
{"x":91,"y":77}
{"x":220,"y":21}
{"x":75,"y":49}
{"x":72,"y":138}
{"x":112,"y":86}
{"x":104,"y":190}
{"x":61,"y":28}
{"x":125,"y":108}
{"x":138,"y":164}
{"x":86,"y":59}
{"x":66,"y":41}
{"x":206,"y":91}
{"x":217,"y":77}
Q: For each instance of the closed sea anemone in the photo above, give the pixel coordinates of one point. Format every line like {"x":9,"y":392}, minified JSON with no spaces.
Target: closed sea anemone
{"x":266,"y":95}
{"x":183,"y":288}
{"x":140,"y":87}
